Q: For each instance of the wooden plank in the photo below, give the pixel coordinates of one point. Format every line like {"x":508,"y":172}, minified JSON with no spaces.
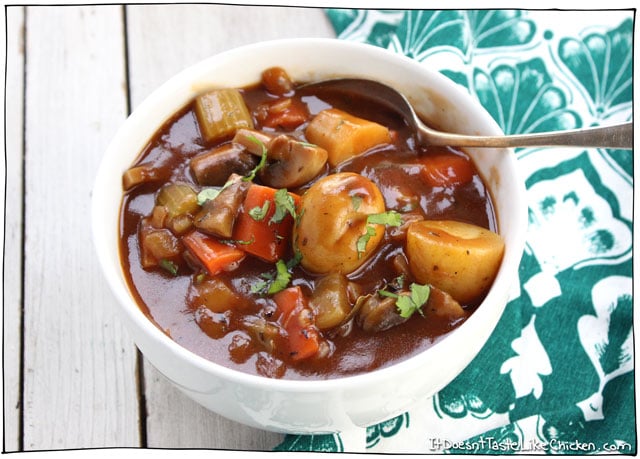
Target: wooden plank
{"x":80,"y":366}
{"x":175,"y":421}
{"x":12,"y":268}
{"x":162,"y":41}
{"x":165,"y":39}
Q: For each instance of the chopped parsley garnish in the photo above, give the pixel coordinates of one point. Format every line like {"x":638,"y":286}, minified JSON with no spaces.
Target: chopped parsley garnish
{"x":356,"y":201}
{"x":208,"y":194}
{"x":389,"y":218}
{"x":283,"y":276}
{"x":259,"y":287}
{"x":408,"y":304}
{"x":238,"y":241}
{"x":259,"y":213}
{"x":361,"y":243}
{"x":263,"y":159}
{"x":295,"y":261}
{"x":169,"y":266}
{"x":279,"y":280}
{"x":284,"y":205}
{"x":387,"y":293}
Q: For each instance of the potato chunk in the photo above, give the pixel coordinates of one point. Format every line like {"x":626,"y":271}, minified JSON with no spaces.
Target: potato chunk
{"x":459,"y":258}
{"x":344,"y":135}
{"x":333,"y":217}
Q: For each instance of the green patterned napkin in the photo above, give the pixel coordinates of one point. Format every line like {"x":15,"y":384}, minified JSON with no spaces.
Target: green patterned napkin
{"x":557,"y":375}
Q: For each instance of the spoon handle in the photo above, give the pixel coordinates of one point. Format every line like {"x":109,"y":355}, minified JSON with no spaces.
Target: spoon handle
{"x":615,"y":137}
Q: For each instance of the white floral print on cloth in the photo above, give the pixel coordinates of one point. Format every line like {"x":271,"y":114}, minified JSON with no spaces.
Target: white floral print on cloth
{"x":557,"y":375}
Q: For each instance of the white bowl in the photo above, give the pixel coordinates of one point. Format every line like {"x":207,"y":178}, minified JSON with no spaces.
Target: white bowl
{"x":294,"y":406}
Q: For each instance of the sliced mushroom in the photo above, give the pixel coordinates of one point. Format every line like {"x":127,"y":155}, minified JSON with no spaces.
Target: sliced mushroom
{"x":377,"y":314}
{"x":214,"y":167}
{"x":254,"y":141}
{"x":441,"y":304}
{"x":218,"y":214}
{"x":292,"y":163}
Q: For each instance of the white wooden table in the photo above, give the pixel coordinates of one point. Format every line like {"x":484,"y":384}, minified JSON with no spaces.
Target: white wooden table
{"x":72,"y":375}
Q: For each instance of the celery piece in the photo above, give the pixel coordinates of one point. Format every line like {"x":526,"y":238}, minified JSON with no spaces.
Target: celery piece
{"x":221,"y":113}
{"x":180,"y":224}
{"x":178,"y":198}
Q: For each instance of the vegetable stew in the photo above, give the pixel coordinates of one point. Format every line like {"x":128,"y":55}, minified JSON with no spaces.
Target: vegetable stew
{"x":303,"y":235}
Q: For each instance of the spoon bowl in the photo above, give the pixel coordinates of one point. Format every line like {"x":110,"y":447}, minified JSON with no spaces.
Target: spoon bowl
{"x":616,"y":136}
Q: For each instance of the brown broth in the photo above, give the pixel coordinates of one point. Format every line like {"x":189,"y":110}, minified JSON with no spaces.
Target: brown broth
{"x":163,"y":297}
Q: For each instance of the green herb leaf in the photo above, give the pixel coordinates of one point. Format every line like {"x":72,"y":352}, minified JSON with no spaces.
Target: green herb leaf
{"x":356,"y":201}
{"x":295,"y":261}
{"x":420,"y":294}
{"x":405,"y":306}
{"x":169,"y":266}
{"x":208,"y":194}
{"x":278,"y":280}
{"x":361,"y":243}
{"x":283,"y":276}
{"x":259,"y":213}
{"x":259,"y":287}
{"x":238,"y":241}
{"x":285,"y":205}
{"x":408,"y":304}
{"x":395,"y":285}
{"x":263,"y":159}
{"x":389,"y":218}
{"x":387,"y":293}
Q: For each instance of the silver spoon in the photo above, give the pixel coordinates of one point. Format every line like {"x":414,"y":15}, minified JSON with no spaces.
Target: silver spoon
{"x":616,"y":136}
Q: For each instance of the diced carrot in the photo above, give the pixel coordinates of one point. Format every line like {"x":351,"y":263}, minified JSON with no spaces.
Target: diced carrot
{"x":262,"y":237}
{"x":213,"y":254}
{"x":297,"y":319}
{"x":447,"y":170}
